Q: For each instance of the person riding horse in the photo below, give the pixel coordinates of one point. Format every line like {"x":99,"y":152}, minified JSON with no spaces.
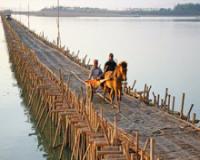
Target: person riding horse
{"x":110,"y":81}
{"x":110,"y":65}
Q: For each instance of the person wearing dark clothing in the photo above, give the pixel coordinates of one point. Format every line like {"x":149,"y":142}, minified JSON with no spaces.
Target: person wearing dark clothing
{"x":110,"y":65}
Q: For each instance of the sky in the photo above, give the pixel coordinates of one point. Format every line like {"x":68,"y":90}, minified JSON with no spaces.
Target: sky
{"x":110,"y":4}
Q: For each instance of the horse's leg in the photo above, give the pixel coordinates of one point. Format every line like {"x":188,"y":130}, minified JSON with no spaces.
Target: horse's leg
{"x":111,"y":96}
{"x":104,"y":90}
{"x":118,"y":98}
{"x":116,"y":95}
{"x":120,"y":94}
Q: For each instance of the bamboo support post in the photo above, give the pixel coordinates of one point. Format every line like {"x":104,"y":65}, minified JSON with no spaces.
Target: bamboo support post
{"x":168,"y":103}
{"x":182,"y":105}
{"x":158,"y":100}
{"x":142,"y":155}
{"x":152,"y":149}
{"x":148,"y":91}
{"x":166,"y":95}
{"x":137,"y":145}
{"x":162,"y":103}
{"x":189,"y":112}
{"x":193,"y":118}
{"x":134,"y":83}
{"x":154,"y":99}
{"x":144,"y":92}
{"x":173,"y":103}
{"x":146,"y":144}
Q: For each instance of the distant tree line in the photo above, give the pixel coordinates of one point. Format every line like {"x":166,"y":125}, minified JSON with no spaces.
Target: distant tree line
{"x":179,"y":10}
{"x":189,"y":9}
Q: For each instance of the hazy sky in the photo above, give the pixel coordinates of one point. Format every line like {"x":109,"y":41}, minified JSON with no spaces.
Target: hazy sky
{"x":111,"y":4}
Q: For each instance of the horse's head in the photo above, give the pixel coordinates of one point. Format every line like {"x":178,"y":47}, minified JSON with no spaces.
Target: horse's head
{"x":123,"y":70}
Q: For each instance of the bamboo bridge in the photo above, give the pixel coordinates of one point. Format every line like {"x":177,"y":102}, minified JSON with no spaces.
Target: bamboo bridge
{"x":53,"y":79}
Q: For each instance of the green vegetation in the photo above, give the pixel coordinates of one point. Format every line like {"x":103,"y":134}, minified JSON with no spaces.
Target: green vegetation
{"x":179,"y":10}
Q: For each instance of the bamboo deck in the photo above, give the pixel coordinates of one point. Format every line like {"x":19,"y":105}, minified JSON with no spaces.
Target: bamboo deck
{"x":100,"y":133}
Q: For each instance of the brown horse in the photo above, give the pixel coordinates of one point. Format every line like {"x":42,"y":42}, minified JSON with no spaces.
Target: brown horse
{"x":114,"y":85}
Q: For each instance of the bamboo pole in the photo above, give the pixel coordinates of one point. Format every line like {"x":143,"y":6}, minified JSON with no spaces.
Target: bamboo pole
{"x":173,"y":103}
{"x":182,"y":105}
{"x":134,"y":83}
{"x":57,"y":130}
{"x":154,"y":99}
{"x":137,"y":145}
{"x":142,"y":155}
{"x":166,"y":95}
{"x":189,"y":112}
{"x":158,"y":100}
{"x":194,"y":118}
{"x":168,"y":103}
{"x":152,"y":149}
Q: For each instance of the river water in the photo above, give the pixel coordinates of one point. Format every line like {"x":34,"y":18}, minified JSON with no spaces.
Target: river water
{"x":163,"y":52}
